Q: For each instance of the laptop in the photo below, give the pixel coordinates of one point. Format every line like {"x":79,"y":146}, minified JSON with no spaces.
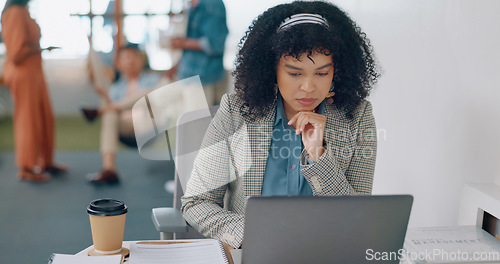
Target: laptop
{"x":333,"y":229}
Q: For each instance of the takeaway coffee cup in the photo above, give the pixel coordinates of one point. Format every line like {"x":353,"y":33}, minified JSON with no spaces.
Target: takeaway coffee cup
{"x":107,"y":222}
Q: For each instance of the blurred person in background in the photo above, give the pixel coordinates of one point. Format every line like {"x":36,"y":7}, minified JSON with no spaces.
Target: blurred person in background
{"x":203,"y":46}
{"x":135,"y":81}
{"x":23,"y":75}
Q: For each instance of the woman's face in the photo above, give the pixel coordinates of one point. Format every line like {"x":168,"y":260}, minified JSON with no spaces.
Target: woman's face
{"x":305,"y":82}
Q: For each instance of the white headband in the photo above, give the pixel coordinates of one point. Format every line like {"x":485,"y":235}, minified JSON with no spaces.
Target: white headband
{"x":302,"y":19}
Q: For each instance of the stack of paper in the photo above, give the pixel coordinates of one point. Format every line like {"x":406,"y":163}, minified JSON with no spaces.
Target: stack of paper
{"x":206,"y":251}
{"x":457,"y":244}
{"x":76,"y":259}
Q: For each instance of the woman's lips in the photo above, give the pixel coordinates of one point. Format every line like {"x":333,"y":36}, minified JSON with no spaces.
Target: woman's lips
{"x":306,"y":101}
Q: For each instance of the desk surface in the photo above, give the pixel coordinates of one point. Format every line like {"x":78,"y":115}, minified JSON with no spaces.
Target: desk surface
{"x":235,"y":253}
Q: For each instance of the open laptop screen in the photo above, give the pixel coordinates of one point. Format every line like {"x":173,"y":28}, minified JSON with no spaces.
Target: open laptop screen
{"x":334,"y":229}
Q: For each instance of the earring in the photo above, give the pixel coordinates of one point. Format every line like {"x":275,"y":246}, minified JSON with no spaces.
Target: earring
{"x":331,"y":93}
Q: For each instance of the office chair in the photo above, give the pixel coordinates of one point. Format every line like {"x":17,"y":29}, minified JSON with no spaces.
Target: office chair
{"x":190,"y":131}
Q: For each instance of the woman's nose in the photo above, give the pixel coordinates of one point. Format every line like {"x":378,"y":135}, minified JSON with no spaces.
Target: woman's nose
{"x":307,"y":85}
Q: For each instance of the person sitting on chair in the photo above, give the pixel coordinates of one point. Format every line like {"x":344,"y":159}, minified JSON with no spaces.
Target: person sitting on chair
{"x":298,"y":124}
{"x":134,"y":83}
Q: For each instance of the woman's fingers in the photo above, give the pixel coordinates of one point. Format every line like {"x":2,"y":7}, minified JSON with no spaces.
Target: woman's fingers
{"x":299,"y":120}
{"x":302,"y":119}
{"x":294,"y":118}
{"x":311,"y":126}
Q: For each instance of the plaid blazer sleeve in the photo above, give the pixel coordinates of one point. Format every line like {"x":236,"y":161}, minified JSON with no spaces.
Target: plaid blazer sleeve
{"x":328,"y":176}
{"x":203,"y":200}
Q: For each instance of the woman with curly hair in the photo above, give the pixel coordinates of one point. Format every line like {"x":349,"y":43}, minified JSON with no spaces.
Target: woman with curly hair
{"x":298,"y":124}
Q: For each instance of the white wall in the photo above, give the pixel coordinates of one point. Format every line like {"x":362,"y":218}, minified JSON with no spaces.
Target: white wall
{"x":437,"y":100}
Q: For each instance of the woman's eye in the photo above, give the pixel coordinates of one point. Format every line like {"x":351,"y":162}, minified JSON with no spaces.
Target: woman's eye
{"x":322,"y":73}
{"x":293,"y":74}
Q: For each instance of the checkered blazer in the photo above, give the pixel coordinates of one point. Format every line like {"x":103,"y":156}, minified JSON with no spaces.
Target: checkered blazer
{"x":231,"y":163}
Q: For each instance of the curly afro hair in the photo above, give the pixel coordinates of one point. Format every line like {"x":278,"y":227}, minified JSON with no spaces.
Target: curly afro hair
{"x":263,"y":45}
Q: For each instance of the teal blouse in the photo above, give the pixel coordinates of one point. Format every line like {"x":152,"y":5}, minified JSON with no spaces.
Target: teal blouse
{"x":283,"y":175}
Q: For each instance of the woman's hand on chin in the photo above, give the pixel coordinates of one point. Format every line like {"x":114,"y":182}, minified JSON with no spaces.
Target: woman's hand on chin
{"x":312,"y":127}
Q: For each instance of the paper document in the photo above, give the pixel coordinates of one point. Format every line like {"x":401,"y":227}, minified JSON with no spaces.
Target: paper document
{"x":457,"y":244}
{"x":209,"y":252}
{"x":74,"y":259}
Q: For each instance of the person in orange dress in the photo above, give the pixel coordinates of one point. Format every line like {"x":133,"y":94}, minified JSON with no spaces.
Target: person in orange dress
{"x":23,"y":75}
